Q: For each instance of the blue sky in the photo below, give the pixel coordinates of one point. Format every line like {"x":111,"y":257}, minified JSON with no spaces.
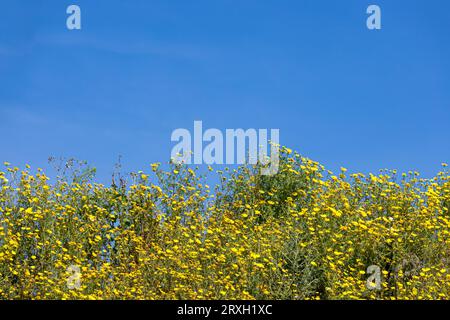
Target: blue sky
{"x":339,"y":93}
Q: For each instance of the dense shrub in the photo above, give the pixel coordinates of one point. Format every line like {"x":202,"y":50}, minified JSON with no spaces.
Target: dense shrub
{"x":304,"y":233}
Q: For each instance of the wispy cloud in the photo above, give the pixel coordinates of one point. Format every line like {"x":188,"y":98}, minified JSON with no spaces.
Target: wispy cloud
{"x":5,"y":51}
{"x":19,"y":49}
{"x":22,"y":115}
{"x":127,"y":46}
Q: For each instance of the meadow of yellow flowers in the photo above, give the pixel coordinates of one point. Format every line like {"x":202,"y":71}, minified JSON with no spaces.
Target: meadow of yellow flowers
{"x":304,"y":233}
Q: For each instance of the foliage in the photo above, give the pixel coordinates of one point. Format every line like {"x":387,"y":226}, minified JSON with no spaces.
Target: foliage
{"x":304,"y":233}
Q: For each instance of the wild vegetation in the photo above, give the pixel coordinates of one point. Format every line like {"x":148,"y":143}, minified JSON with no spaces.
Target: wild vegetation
{"x":304,"y":233}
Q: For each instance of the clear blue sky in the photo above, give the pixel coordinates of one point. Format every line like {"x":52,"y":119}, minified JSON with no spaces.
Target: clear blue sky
{"x":138,"y":69}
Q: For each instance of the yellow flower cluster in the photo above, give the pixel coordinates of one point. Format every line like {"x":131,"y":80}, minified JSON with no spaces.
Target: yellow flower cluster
{"x":304,"y":233}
